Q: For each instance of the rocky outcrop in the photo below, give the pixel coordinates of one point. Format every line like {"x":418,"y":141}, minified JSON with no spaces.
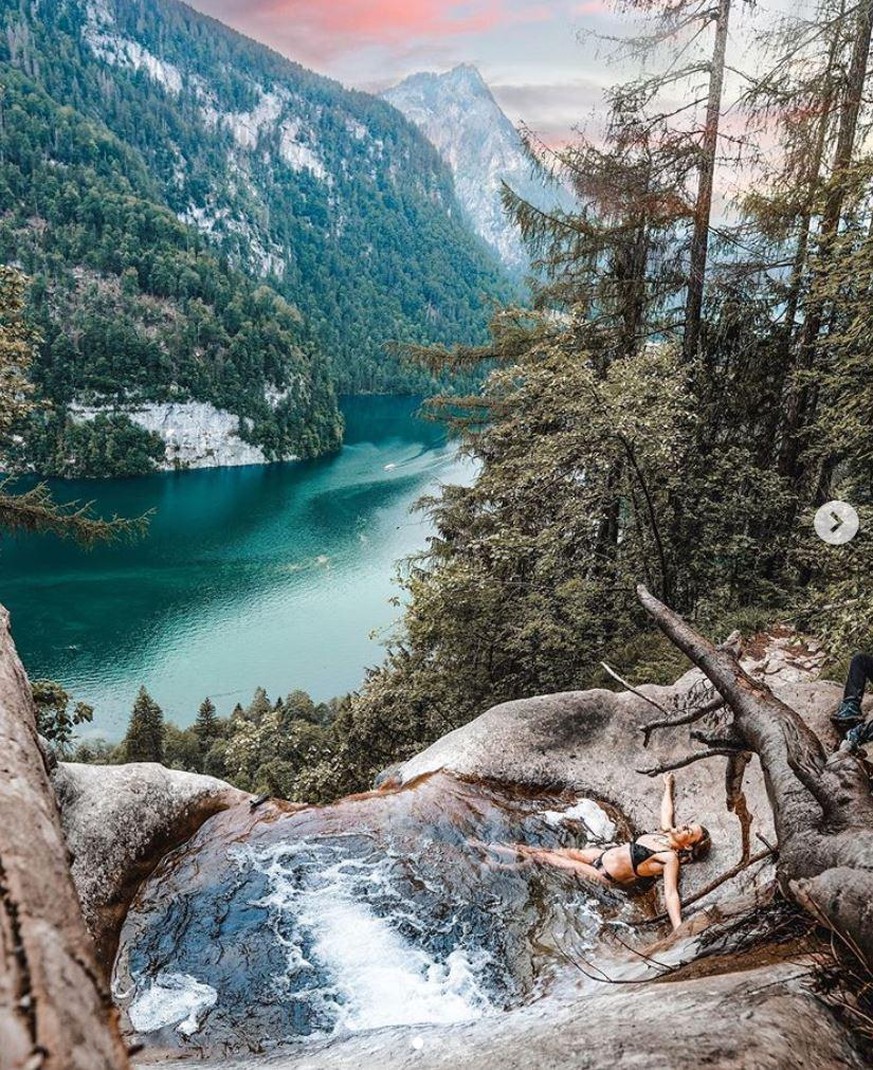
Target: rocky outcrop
{"x":119,"y":822}
{"x":195,"y":433}
{"x":590,"y":742}
{"x":55,"y":1012}
{"x":402,"y":924}
{"x":758,"y":1018}
{"x":393,"y":925}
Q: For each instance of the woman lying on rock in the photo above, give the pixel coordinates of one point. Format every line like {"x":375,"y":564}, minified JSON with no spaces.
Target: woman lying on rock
{"x":637,"y":864}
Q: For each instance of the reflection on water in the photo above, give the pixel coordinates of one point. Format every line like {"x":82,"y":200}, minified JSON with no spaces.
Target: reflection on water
{"x":272,"y":576}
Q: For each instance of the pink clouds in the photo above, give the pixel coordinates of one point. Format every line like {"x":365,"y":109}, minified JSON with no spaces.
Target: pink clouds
{"x":368,"y":21}
{"x":593,"y":7}
{"x":323,"y":30}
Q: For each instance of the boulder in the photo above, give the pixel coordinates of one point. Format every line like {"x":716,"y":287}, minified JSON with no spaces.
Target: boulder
{"x":119,"y":822}
{"x":591,"y":743}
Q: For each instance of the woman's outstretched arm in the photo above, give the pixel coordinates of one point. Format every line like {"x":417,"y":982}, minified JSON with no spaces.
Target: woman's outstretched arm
{"x":671,"y":891}
{"x":667,"y":803}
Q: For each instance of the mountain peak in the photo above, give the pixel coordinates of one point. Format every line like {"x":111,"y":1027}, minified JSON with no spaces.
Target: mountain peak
{"x":468,"y":74}
{"x":465,"y":77}
{"x":459,"y":115}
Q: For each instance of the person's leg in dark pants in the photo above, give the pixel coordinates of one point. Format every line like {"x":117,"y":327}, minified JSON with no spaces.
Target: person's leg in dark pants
{"x":860,"y":671}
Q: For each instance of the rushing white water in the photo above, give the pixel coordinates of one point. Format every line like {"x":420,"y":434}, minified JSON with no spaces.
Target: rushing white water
{"x":389,"y":910}
{"x":339,"y":920}
{"x":593,"y":818}
{"x":171,"y":998}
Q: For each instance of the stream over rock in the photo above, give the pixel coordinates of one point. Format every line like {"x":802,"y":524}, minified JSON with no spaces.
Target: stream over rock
{"x":402,"y":926}
{"x":387,"y":909}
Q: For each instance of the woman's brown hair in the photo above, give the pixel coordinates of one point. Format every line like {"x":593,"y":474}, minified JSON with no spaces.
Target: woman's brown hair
{"x":697,"y":851}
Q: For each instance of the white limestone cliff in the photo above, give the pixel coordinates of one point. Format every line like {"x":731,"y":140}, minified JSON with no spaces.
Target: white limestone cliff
{"x":195,"y":433}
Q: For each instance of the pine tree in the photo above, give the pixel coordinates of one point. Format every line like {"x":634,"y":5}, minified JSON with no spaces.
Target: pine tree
{"x":144,"y":741}
{"x":259,"y":708}
{"x":35,"y":509}
{"x":206,"y":725}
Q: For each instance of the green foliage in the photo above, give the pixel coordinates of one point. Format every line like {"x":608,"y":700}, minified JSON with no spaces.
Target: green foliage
{"x":606,"y":459}
{"x":34,"y":510}
{"x":104,"y":175}
{"x":276,"y":748}
{"x":285,"y":749}
{"x":130,"y":306}
{"x":207,"y":727}
{"x":17,"y":343}
{"x":107,"y":446}
{"x":54,"y":719}
{"x":96,"y":752}
{"x":182,"y":749}
{"x":144,"y":741}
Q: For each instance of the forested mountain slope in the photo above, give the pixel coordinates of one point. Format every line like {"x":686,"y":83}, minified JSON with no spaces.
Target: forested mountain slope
{"x":204,"y":219}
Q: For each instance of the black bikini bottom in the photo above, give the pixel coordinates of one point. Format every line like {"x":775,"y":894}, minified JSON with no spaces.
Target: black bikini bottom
{"x":639,"y":885}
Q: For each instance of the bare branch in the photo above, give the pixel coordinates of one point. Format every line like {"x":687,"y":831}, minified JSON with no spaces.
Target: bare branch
{"x":690,"y":759}
{"x":826,"y":866}
{"x":724,"y":737}
{"x":634,"y":690}
{"x":736,"y":798}
{"x":688,"y":717}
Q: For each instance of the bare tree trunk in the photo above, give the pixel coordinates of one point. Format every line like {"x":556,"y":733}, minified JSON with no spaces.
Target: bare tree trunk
{"x":55,"y":1011}
{"x":804,"y":404}
{"x":703,"y":205}
{"x":822,"y":809}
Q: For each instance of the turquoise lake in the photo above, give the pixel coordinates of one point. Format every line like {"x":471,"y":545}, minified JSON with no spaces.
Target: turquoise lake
{"x":271,"y":575}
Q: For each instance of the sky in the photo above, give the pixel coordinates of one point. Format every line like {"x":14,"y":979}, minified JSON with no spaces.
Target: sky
{"x":545,"y":60}
{"x":529,"y":52}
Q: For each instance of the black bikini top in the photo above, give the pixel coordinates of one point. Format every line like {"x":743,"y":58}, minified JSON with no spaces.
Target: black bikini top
{"x":639,"y":853}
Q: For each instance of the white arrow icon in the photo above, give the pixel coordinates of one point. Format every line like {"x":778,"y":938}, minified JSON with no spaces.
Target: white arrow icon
{"x":836,"y":523}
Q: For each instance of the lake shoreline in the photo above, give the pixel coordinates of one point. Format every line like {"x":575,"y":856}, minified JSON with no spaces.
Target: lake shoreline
{"x":257,"y":575}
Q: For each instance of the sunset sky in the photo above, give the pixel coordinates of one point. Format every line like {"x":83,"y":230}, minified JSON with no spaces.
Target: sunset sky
{"x":541,"y":59}
{"x":528,"y":52}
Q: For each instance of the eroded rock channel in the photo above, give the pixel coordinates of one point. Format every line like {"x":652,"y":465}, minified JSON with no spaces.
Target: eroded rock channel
{"x":398,"y":926}
{"x":395,"y":908}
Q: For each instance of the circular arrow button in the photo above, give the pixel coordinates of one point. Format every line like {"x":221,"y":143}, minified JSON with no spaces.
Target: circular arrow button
{"x":836,"y":523}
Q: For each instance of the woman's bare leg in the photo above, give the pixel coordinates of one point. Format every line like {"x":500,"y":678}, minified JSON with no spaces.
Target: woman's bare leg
{"x":505,"y":850}
{"x":571,"y":858}
{"x":577,"y":860}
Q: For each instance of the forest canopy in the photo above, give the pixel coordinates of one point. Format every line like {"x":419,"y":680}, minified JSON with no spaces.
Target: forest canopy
{"x":688,"y":386}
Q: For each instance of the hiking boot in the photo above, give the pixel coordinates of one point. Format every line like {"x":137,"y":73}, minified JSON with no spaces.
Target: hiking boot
{"x":853,"y":739}
{"x":848,"y":714}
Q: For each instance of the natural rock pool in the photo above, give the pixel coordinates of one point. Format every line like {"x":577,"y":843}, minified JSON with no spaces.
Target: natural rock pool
{"x":381,"y":910}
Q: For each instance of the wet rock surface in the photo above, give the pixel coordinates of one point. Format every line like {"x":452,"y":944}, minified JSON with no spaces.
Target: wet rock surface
{"x":590,"y":742}
{"x":759,"y":1019}
{"x":399,"y":927}
{"x":379,"y":911}
{"x":119,"y":821}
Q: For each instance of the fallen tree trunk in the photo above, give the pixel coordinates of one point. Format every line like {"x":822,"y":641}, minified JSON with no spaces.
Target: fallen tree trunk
{"x":822,"y":807}
{"x":55,"y":1011}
